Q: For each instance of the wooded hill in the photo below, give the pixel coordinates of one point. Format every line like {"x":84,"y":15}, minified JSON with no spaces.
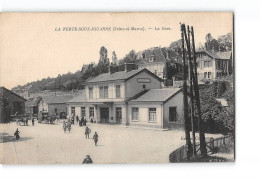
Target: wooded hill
{"x":69,"y":81}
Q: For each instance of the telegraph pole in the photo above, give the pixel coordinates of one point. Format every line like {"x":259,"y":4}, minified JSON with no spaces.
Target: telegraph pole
{"x":197,"y":97}
{"x":191,"y":91}
{"x":185,"y":99}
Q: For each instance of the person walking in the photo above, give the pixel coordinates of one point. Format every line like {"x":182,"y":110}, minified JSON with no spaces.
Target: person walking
{"x":87,"y":160}
{"x":32,"y":121}
{"x":77,"y":119}
{"x":87,"y":132}
{"x":64,"y":126}
{"x":95,"y":137}
{"x":17,"y":132}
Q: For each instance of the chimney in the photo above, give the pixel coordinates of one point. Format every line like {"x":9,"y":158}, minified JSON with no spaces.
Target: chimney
{"x":112,"y":69}
{"x":129,"y":67}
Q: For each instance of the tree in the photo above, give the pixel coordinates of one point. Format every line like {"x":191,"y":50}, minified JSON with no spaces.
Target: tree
{"x":211,"y":43}
{"x":103,"y":63}
{"x":114,"y":58}
{"x":225,"y":42}
{"x":103,"y":55}
{"x":131,"y":57}
{"x":201,"y":47}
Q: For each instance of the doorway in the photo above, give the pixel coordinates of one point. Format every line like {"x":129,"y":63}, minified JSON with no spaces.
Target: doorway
{"x":118,"y":115}
{"x":104,"y":115}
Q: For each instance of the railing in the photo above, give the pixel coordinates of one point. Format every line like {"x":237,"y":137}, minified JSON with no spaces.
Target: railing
{"x":180,"y":154}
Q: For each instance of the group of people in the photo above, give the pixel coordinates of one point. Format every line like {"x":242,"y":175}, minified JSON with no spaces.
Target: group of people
{"x":95,"y":136}
{"x":88,"y":160}
{"x":67,"y":126}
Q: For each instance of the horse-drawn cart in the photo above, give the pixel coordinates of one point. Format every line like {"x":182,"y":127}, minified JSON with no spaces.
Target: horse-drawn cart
{"x":21,"y":119}
{"x":46,"y":119}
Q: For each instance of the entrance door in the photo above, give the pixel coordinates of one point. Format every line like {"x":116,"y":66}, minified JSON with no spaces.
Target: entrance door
{"x":104,"y":114}
{"x":118,"y":115}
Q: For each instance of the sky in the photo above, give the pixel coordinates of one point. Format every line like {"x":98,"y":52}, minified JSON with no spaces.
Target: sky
{"x":34,"y":46}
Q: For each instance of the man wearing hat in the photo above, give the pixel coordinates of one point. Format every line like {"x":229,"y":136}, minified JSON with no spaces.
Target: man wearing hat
{"x":87,"y":160}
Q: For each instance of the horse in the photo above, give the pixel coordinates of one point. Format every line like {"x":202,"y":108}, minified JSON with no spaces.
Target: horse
{"x":50,"y":119}
{"x":66,"y":126}
{"x":22,"y":119}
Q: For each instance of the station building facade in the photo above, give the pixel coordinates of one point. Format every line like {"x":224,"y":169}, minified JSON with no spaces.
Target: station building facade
{"x":108,"y":94}
{"x":131,"y":98}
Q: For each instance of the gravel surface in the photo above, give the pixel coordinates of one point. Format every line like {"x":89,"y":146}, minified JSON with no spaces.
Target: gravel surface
{"x":48,"y":144}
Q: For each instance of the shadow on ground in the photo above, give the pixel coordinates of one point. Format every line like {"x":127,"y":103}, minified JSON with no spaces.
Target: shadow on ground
{"x":5,"y":137}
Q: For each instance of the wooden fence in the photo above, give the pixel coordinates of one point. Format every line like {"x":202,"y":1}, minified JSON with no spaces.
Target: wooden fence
{"x":180,"y":154}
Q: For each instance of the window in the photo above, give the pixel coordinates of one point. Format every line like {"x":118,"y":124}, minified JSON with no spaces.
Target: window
{"x":83,"y":111}
{"x":91,"y":111}
{"x":105,"y":91}
{"x":206,"y":64}
{"x":209,"y":74}
{"x":152,"y":114}
{"x":135,"y":114}
{"x":73,"y":110}
{"x":151,"y":58}
{"x":205,"y":74}
{"x":101,"y":92}
{"x":118,"y":95}
{"x":210,"y":63}
{"x":90,"y":90}
{"x":173,"y":114}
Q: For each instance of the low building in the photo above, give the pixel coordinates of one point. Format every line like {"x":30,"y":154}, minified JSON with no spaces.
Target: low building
{"x":157,"y":108}
{"x":54,"y":105}
{"x":107,"y":95}
{"x":31,"y":105}
{"x":10,"y":104}
{"x":211,"y":65}
{"x":77,"y":105}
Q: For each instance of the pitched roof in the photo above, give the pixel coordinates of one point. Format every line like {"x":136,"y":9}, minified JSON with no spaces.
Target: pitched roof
{"x":218,"y":55}
{"x":78,"y":99}
{"x":57,"y":99}
{"x":121,"y":75}
{"x":11,"y":95}
{"x":156,"y":52}
{"x":157,"y":95}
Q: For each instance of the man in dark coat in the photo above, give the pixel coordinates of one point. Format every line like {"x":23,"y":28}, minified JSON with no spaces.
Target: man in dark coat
{"x":87,"y":132}
{"x":87,"y":160}
{"x":77,"y":119}
{"x":95,"y":137}
{"x":17,"y":136}
{"x":32,"y":121}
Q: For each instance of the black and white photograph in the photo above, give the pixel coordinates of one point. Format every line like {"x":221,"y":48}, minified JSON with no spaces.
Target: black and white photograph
{"x":117,"y":88}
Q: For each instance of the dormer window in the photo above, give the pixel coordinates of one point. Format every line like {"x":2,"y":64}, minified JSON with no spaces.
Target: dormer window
{"x":151,"y":59}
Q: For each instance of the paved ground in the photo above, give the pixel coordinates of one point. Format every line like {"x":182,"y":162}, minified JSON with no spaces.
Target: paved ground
{"x":47,"y":144}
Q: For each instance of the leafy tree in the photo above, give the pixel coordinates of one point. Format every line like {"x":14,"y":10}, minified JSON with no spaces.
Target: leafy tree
{"x":131,"y":57}
{"x":217,"y":118}
{"x":225,"y":42}
{"x":211,"y":43}
{"x":114,"y":58}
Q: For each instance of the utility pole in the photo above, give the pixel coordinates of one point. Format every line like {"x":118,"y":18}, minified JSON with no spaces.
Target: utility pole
{"x":185,"y":99}
{"x":191,"y":90}
{"x":197,"y":97}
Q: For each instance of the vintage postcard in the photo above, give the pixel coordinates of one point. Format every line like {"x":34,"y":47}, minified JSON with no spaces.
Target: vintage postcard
{"x":116,"y":88}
